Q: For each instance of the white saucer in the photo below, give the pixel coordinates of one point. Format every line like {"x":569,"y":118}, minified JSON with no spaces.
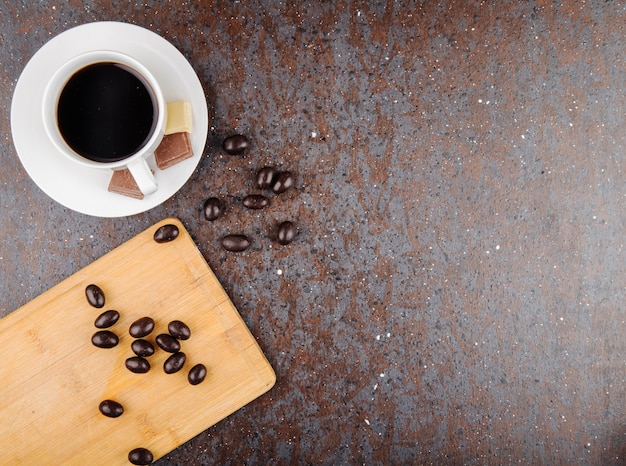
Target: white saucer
{"x":85,"y":189}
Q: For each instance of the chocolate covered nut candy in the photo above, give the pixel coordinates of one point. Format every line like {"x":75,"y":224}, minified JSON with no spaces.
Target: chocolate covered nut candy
{"x":179,"y":330}
{"x":285,"y":233}
{"x":174,"y":363}
{"x":140,"y":456}
{"x":212,"y":208}
{"x":265,"y":177}
{"x":282,"y":182}
{"x":166,"y":233}
{"x":111,"y":408}
{"x":197,"y":374}
{"x":167,"y":343}
{"x":137,"y":364}
{"x":94,"y":295}
{"x":141,"y":327}
{"x":105,"y":339}
{"x":255,"y":201}
{"x":236,"y":144}
{"x":142,"y":348}
{"x":107,"y":319}
{"x":235,"y":243}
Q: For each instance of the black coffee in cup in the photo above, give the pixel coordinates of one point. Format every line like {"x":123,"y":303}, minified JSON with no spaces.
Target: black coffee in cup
{"x":106,"y":112}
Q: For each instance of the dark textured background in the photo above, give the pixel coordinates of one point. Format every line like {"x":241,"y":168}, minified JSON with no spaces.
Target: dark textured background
{"x":456,"y":291}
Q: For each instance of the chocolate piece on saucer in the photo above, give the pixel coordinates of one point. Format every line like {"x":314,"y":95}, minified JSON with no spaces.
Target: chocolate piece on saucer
{"x":179,"y":117}
{"x":122,"y":182}
{"x":174,"y":148}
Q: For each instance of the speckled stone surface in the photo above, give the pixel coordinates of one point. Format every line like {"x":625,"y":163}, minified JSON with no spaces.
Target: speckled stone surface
{"x":456,"y":291}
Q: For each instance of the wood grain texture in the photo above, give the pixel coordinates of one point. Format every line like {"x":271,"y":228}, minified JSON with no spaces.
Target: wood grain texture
{"x":54,"y":378}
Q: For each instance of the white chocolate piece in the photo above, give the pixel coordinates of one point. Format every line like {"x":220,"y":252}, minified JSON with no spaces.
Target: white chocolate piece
{"x":179,"y":119}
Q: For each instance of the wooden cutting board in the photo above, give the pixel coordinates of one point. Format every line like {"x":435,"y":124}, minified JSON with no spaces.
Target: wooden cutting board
{"x":53,"y":379}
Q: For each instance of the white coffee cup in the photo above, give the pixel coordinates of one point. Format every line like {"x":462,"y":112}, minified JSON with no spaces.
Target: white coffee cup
{"x":59,"y":131}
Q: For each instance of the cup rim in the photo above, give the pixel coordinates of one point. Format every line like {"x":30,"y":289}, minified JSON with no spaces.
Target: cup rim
{"x":59,"y":79}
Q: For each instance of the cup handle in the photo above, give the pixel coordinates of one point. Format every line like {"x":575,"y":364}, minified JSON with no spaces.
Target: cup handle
{"x":143,"y":176}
